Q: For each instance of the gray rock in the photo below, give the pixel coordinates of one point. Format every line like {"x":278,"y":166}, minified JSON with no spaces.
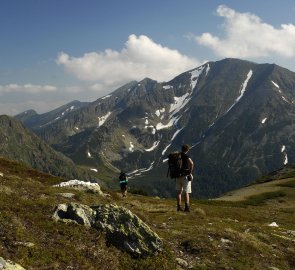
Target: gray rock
{"x":182,"y":262}
{"x":123,"y":228}
{"x":74,"y":212}
{"x":9,"y":265}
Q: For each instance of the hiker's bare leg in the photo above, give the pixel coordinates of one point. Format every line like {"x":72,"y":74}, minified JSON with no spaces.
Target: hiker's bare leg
{"x":179,"y":197}
{"x":186,"y":198}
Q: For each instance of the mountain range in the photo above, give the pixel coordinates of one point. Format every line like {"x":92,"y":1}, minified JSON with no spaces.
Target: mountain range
{"x":20,"y":144}
{"x":236,"y":115}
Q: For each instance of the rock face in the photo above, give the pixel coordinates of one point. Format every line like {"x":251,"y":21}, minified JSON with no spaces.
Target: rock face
{"x":123,"y":229}
{"x":9,"y":265}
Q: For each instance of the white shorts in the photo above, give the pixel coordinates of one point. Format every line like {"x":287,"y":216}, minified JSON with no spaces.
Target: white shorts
{"x":182,"y":184}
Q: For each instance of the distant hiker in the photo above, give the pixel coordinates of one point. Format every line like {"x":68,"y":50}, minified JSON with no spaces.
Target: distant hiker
{"x":123,"y":183}
{"x":183,"y":182}
{"x":180,"y":167}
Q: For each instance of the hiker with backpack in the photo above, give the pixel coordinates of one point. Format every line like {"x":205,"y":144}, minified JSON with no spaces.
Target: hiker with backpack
{"x":180,"y":166}
{"x":123,"y":180}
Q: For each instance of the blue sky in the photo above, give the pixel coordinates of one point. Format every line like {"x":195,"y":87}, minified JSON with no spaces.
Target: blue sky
{"x":56,"y":51}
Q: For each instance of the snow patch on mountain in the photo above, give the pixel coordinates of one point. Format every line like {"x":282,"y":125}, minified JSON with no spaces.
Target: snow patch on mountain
{"x":140,"y":171}
{"x":179,"y":103}
{"x":280,"y":92}
{"x":155,"y":144}
{"x":284,"y":150}
{"x":285,"y":99}
{"x":131,"y":148}
{"x":153,"y":129}
{"x":263,"y":120}
{"x":67,"y":110}
{"x":195,"y":76}
{"x":276,"y":85}
{"x":173,"y":121}
{"x":159,"y":112}
{"x":173,"y":137}
{"x":89,"y":155}
{"x":107,"y":96}
{"x":242,"y":90}
{"x":166,"y":148}
{"x":166,"y":87}
{"x":175,"y":134}
{"x":177,"y":106}
{"x":102,"y":119}
{"x":286,"y":159}
{"x":207,"y":69}
{"x":95,"y":170}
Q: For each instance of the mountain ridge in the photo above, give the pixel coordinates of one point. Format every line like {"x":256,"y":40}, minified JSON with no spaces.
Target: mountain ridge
{"x":20,"y":144}
{"x":234,"y":113}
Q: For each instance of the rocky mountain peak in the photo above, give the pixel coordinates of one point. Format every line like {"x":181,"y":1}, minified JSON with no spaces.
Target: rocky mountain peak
{"x":237,"y":116}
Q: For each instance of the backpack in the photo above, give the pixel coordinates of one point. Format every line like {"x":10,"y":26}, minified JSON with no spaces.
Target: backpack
{"x":174,"y":165}
{"x":123,"y":178}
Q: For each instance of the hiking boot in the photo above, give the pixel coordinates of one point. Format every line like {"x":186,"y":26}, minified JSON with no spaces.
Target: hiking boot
{"x":186,"y":208}
{"x":179,"y":208}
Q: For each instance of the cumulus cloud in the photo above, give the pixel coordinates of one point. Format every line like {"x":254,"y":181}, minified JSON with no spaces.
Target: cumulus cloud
{"x":246,"y":35}
{"x":26,"y":88}
{"x":141,"y":57}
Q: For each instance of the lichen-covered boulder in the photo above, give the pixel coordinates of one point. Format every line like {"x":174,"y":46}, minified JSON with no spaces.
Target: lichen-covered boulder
{"x":74,"y":212}
{"x":9,"y":265}
{"x":123,"y":229}
{"x":126,"y":230}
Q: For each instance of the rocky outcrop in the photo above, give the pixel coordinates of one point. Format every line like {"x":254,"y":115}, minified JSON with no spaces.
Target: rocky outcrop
{"x":123,"y":229}
{"x":9,"y":265}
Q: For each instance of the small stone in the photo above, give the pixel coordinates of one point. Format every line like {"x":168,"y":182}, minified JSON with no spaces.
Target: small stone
{"x":273,"y":224}
{"x":225,"y":241}
{"x":181,"y":262}
{"x":25,"y":244}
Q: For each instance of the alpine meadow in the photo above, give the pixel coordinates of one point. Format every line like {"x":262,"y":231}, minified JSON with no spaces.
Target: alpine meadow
{"x":147,"y":135}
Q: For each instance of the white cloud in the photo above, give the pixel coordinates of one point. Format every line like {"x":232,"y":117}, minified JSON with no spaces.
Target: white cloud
{"x":246,"y":35}
{"x":141,"y":57}
{"x":17,"y":98}
{"x":26,"y":88}
{"x":15,"y":107}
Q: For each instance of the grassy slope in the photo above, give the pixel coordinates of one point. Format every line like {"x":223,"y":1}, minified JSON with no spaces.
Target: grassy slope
{"x":215,"y":235}
{"x":279,"y":184}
